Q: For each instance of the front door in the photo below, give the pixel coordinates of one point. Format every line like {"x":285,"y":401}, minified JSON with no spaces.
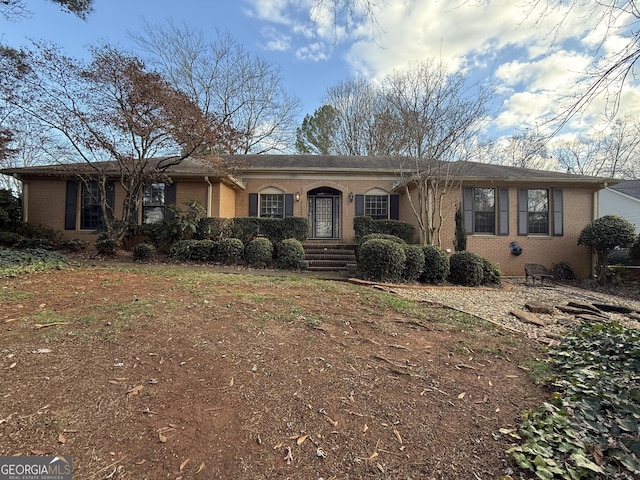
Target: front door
{"x":324,"y":213}
{"x":323,"y":218}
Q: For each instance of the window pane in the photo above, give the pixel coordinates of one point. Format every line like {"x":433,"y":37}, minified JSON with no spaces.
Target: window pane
{"x":484,"y":210}
{"x":377,"y":206}
{"x":538,"y":207}
{"x":153,"y":206}
{"x":271,"y":205}
{"x":90,"y":210}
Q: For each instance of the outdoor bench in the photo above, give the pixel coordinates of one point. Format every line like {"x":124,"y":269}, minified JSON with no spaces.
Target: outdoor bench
{"x":536,"y":271}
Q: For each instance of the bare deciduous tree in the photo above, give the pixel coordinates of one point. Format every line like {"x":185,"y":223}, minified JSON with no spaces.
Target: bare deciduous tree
{"x":528,"y":150}
{"x":112,"y":108}
{"x":222,"y":77}
{"x":15,"y":9}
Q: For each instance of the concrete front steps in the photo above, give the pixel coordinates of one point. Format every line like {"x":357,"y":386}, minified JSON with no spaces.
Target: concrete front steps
{"x":330,"y":257}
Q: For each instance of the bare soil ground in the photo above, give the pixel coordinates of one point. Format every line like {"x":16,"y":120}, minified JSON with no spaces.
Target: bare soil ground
{"x":150,"y":373}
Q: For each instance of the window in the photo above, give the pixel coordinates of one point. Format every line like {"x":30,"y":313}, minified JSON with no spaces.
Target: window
{"x":376,"y":206}
{"x":154,"y":203}
{"x":484,"y":210}
{"x":271,"y":205}
{"x":90,"y":209}
{"x":538,"y":211}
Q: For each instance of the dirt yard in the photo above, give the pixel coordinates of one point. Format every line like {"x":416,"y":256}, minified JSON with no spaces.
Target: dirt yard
{"x":150,"y":373}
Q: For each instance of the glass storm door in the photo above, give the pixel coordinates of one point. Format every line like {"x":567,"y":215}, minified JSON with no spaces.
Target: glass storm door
{"x":323,"y":218}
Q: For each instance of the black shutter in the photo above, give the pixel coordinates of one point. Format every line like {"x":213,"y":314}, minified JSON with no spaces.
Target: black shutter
{"x":503,"y":208}
{"x":288,"y":205}
{"x":169,"y":199}
{"x":70,"y":205}
{"x":394,"y":207}
{"x":558,"y":208}
{"x":523,"y":211}
{"x":253,"y":204}
{"x":467,"y":207}
{"x":359,"y":205}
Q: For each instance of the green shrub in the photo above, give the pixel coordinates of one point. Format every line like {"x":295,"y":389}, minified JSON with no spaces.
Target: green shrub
{"x":466,"y":269}
{"x":73,"y":245}
{"x":363,"y":225}
{"x":259,"y":252}
{"x":229,"y":251}
{"x":14,"y":262}
{"x":403,"y":230}
{"x":436,"y":265}
{"x":491,"y":274}
{"x":214,"y":228}
{"x":381,"y":259}
{"x":107,"y":247}
{"x":294,"y":227}
{"x":143,"y":251}
{"x":381,"y":236}
{"x":460,"y":237}
{"x":9,"y":239}
{"x":10,"y":210}
{"x":414,"y":263}
{"x":289,"y":253}
{"x":245,"y":228}
{"x":634,"y":251}
{"x":195,"y":250}
{"x":563,"y":271}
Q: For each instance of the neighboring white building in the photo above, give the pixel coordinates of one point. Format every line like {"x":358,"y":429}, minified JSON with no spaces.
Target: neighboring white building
{"x":623,"y":200}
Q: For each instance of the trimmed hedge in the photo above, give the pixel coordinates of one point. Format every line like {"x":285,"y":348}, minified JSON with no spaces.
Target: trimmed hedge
{"x":289,"y":253}
{"x":364,"y":225}
{"x":259,"y":252}
{"x":414,"y":263}
{"x":382,"y":236}
{"x":436,"y":265}
{"x":466,"y":269}
{"x":229,"y":251}
{"x":195,"y":250}
{"x":381,"y":259}
{"x":275,"y":229}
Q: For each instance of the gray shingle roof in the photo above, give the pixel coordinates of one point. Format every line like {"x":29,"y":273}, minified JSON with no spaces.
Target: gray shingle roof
{"x":628,"y":187}
{"x":471,"y":171}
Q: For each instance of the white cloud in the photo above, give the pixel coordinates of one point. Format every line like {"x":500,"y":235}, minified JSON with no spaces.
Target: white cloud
{"x":314,"y":52}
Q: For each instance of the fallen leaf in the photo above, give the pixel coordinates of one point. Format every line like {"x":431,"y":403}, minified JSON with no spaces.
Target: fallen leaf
{"x":365,"y":428}
{"x":200,"y":468}
{"x":114,"y":382}
{"x":397,"y":434}
{"x":141,"y":462}
{"x":135,"y":390}
{"x":302,"y":439}
{"x":461,"y":396}
{"x":162,"y":437}
{"x":13,"y":365}
{"x":373,"y":455}
{"x":331,"y":421}
{"x":38,"y":452}
{"x":277,"y":446}
{"x":8,"y":320}
{"x":380,"y":467}
{"x":184,"y":464}
{"x":231,"y":382}
{"x":61,"y":439}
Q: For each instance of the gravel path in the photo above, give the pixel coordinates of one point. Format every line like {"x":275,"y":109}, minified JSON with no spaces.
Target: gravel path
{"x":495,"y":304}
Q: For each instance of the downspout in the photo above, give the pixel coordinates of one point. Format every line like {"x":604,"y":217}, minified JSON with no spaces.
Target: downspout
{"x":25,"y":202}
{"x":209,"y":195}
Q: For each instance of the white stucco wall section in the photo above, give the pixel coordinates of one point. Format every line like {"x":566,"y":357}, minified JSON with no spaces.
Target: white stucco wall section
{"x":613,"y":202}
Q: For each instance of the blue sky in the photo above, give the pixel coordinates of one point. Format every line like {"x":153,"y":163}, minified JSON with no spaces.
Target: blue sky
{"x":493,"y":41}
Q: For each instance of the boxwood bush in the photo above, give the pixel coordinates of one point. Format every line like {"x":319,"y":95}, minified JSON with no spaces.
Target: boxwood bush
{"x":381,"y":259}
{"x":196,"y":250}
{"x":381,"y":236}
{"x":414,"y":263}
{"x":289,"y":253}
{"x":259,"y":252}
{"x":436,"y":265}
{"x":229,"y":251}
{"x":364,"y":225}
{"x":491,"y":274}
{"x":143,"y":251}
{"x":466,"y":269}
